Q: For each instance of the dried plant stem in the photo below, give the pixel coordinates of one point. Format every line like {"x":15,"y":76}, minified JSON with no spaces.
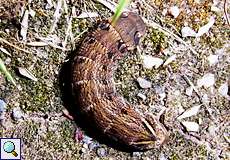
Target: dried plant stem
{"x":226,"y":11}
{"x":16,"y":47}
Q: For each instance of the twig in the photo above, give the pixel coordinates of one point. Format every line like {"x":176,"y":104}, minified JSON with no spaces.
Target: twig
{"x":51,"y":44}
{"x":226,"y":11}
{"x":191,"y":84}
{"x":56,"y":16}
{"x":68,"y":30}
{"x":110,"y":5}
{"x":16,"y":47}
{"x":200,"y":98}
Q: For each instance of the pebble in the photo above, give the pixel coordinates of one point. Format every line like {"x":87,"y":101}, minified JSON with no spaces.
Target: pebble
{"x":101,"y":152}
{"x":162,"y":157}
{"x":86,"y":139}
{"x":93,"y":145}
{"x":2,"y":106}
{"x":142,"y":96}
{"x":174,"y":11}
{"x":213,"y":129}
{"x":189,"y":91}
{"x":149,"y":61}
{"x":207,"y":80}
{"x":158,"y":89}
{"x":223,"y":90}
{"x":191,"y":126}
{"x":188,"y":32}
{"x":85,"y":146}
{"x":213,"y":59}
{"x":144,"y":83}
{"x":83,"y":150}
{"x":136,"y":154}
{"x":2,"y":117}
{"x":205,"y":99}
{"x":17,"y":113}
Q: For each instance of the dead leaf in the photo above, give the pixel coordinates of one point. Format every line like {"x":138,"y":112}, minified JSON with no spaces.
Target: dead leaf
{"x":37,"y":44}
{"x":27,"y":74}
{"x":150,"y":61}
{"x":190,"y":112}
{"x":207,"y":80}
{"x":170,"y":59}
{"x":5,"y":51}
{"x":24,"y":25}
{"x":206,"y":27}
{"x":88,"y":15}
{"x":188,"y":32}
{"x":190,"y":126}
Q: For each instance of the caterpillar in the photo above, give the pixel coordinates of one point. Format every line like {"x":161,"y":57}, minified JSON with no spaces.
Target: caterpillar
{"x":94,"y":89}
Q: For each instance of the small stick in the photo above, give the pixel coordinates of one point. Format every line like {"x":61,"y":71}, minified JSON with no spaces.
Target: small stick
{"x":16,"y":47}
{"x":110,"y":5}
{"x":226,"y":11}
{"x":191,"y":84}
{"x":195,"y":89}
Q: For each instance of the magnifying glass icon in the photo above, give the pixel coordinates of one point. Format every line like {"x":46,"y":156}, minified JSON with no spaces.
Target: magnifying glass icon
{"x":9,"y":147}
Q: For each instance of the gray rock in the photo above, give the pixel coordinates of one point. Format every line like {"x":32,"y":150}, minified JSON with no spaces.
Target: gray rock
{"x":83,"y":150}
{"x":142,"y":96}
{"x":144,"y":83}
{"x":86,"y":139}
{"x":2,"y":106}
{"x":93,"y":145}
{"x":17,"y":113}
{"x":101,"y":152}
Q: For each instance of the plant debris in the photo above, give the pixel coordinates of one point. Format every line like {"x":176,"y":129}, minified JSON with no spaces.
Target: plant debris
{"x":27,"y":74}
{"x":150,"y":62}
{"x":207,"y":80}
{"x":191,"y":126}
{"x":190,"y":112}
{"x":144,"y":83}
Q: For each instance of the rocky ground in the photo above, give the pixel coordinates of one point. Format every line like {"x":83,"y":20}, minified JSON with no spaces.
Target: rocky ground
{"x":181,"y":69}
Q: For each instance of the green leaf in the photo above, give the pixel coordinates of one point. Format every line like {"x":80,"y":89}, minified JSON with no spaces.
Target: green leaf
{"x":119,"y":10}
{"x":4,"y":70}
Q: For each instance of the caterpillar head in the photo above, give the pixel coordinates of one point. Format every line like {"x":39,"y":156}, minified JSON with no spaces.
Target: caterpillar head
{"x":131,"y":28}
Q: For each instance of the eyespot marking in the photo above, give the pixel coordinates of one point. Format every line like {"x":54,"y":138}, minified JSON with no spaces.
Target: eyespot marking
{"x":137,"y":38}
{"x":122,"y":46}
{"x":104,"y":26}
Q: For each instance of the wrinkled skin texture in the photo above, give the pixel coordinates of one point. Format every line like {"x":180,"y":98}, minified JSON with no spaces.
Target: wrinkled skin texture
{"x":94,"y":89}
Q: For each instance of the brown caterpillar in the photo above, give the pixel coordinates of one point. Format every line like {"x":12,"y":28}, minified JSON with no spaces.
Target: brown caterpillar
{"x":94,"y":89}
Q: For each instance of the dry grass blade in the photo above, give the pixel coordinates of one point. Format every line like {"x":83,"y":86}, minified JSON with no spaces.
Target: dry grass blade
{"x":119,"y":10}
{"x":10,"y":44}
{"x":56,"y":16}
{"x":226,"y":11}
{"x":5,"y":51}
{"x":4,"y":70}
{"x":109,"y":4}
{"x":191,"y":84}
